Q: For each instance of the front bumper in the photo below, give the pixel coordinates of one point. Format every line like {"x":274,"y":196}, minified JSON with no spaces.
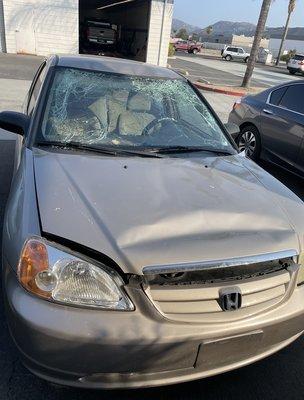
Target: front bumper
{"x":299,"y":70}
{"x":104,"y":349}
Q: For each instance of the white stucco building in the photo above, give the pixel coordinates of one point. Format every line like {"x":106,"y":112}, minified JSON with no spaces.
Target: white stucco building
{"x":44,"y":27}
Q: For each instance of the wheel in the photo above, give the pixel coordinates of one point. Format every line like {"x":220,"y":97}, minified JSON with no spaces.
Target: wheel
{"x":228,"y":58}
{"x":194,"y":51}
{"x":249,"y":140}
{"x":246,"y":59}
{"x":292,"y":72}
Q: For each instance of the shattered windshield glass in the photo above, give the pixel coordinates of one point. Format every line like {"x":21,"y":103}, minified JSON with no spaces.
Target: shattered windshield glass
{"x":102,"y":109}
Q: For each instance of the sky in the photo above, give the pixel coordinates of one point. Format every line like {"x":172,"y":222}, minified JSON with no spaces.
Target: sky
{"x":204,"y":12}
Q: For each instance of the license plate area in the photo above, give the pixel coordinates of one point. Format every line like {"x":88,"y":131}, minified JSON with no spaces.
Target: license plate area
{"x":215,"y":354}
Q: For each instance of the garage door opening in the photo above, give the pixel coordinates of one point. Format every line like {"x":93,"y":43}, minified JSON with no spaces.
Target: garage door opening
{"x":114,"y":28}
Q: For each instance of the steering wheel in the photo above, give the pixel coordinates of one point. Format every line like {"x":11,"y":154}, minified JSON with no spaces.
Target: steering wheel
{"x":152,"y":124}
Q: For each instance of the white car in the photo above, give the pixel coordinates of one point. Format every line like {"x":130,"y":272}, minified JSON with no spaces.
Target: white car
{"x":296,"y":64}
{"x":235,"y":53}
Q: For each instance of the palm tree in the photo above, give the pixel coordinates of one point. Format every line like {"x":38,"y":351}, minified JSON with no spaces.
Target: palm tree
{"x":256,"y":43}
{"x":291,"y":8}
{"x":209,"y":30}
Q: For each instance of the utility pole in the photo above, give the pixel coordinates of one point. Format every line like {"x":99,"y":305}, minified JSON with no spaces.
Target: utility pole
{"x":256,"y":43}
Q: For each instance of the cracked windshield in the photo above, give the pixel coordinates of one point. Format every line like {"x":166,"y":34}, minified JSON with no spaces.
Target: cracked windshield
{"x":114,"y":111}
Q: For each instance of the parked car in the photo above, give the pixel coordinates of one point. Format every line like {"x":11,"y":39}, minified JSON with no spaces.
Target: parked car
{"x":272,"y":125}
{"x":296,"y":64}
{"x":139,"y":247}
{"x":190,"y":47}
{"x":101,"y":33}
{"x":235,"y":53}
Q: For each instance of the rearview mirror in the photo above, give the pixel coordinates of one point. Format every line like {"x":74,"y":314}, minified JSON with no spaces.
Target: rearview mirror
{"x":232,"y":129}
{"x":14,"y":122}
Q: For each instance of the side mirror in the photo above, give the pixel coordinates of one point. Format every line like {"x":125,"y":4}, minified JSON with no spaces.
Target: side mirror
{"x":14,"y":122}
{"x":232,"y":129}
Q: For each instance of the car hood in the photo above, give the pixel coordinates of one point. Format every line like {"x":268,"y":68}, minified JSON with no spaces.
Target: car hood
{"x":145,"y":211}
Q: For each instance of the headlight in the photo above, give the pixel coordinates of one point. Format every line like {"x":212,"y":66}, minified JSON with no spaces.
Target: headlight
{"x":55,"y":273}
{"x":301,"y":272}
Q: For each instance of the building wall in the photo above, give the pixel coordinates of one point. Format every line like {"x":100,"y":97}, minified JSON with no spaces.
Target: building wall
{"x":247,"y":41}
{"x":216,"y":38}
{"x":45,"y":27}
{"x":159,"y":34}
{"x":41,"y":27}
{"x":2,"y":30}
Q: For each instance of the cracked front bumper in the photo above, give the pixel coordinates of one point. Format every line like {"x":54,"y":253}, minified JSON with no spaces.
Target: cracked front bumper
{"x":105,"y":349}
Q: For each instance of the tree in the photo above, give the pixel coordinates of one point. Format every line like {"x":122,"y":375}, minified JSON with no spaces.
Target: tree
{"x":256,"y":43}
{"x":182,"y":34}
{"x":291,"y":8}
{"x":209,"y":30}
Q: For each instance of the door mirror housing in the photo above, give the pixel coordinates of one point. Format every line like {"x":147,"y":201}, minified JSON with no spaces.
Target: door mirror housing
{"x":14,"y":122}
{"x":232,"y":129}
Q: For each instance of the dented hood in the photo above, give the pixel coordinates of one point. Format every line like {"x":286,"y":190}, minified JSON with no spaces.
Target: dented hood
{"x":146,"y":211}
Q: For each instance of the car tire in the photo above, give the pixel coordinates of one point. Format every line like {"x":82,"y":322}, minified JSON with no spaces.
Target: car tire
{"x":292,"y":72}
{"x":246,"y":60}
{"x":228,"y":58}
{"x":249,"y":140}
{"x":194,"y":51}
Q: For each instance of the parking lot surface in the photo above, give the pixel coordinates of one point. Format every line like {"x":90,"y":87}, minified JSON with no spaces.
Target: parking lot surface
{"x":220,"y":72}
{"x":278,"y":377}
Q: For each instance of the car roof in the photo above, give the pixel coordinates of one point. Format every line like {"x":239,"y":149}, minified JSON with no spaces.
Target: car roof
{"x":265,"y":93}
{"x":116,"y":66}
{"x":289,"y":83}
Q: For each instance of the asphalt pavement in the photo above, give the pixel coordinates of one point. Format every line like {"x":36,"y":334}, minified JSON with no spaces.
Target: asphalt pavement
{"x":277,"y":377}
{"x":229,"y":73}
{"x":21,"y":67}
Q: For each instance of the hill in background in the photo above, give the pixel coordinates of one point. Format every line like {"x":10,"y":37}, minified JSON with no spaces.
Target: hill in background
{"x":238,"y":28}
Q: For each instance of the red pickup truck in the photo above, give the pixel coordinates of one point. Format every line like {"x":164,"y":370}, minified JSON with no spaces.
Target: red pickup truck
{"x":190,"y":47}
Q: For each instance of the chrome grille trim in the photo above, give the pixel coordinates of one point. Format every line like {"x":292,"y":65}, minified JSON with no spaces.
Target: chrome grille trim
{"x":217,"y":264}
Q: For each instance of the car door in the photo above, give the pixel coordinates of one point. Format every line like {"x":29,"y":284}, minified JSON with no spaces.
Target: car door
{"x":184,"y":45}
{"x":282,"y":125}
{"x":232,"y":52}
{"x":240,"y":54}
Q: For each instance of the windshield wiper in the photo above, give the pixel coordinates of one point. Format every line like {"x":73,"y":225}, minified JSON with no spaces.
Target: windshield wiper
{"x":188,"y":149}
{"x":98,"y":149}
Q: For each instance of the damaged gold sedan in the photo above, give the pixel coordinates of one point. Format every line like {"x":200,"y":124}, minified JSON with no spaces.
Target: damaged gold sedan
{"x":140,"y":248}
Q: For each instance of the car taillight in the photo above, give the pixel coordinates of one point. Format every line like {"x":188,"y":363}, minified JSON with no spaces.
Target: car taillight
{"x":237,"y":104}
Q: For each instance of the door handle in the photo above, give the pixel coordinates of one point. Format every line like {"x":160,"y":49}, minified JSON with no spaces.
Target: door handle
{"x":266,"y":111}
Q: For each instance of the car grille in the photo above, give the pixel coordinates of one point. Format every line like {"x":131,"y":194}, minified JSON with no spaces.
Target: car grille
{"x":199,"y":301}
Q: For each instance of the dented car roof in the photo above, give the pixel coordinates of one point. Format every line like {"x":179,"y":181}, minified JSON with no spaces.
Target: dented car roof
{"x":115,"y":65}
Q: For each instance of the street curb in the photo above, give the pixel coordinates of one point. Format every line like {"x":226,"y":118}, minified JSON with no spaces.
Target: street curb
{"x":229,"y":92}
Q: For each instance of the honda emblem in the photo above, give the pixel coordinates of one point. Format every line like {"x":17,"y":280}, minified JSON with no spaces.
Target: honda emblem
{"x":230,"y":299}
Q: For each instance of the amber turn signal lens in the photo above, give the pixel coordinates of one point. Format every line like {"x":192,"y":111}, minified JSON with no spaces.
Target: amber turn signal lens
{"x":33,"y":260}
